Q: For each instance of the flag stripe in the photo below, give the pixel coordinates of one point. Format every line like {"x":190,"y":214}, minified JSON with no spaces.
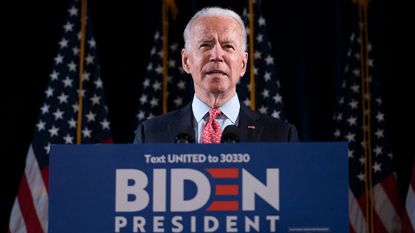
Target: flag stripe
{"x":28,"y":208}
{"x":410,"y":205}
{"x":385,"y":210}
{"x":17,"y":224}
{"x":356,"y":217}
{"x":379,"y":226}
{"x":351,"y":229}
{"x":37,"y":188}
{"x":389,"y":186}
{"x":45,"y":177}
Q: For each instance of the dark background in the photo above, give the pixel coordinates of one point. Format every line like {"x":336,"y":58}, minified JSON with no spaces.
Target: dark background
{"x":309,"y":39}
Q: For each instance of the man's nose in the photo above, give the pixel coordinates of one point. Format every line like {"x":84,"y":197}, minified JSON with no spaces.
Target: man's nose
{"x":216,"y":54}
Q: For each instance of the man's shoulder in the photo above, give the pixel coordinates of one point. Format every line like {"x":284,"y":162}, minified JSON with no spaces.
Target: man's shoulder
{"x":265,"y":119}
{"x":163,"y":118}
{"x":162,"y":128}
{"x":273,"y":129}
{"x":272,"y":121}
{"x":169,"y":117}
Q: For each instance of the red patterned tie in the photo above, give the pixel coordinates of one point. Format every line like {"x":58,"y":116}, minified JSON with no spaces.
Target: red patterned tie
{"x":212,"y":132}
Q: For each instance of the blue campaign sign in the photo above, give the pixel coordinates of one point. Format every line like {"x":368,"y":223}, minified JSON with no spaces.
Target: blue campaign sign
{"x":245,"y":187}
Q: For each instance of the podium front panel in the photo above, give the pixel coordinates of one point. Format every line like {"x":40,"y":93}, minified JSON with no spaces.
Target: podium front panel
{"x":245,"y":187}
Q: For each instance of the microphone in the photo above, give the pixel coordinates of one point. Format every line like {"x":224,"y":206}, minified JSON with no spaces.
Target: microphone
{"x":185,"y":135}
{"x":230,"y":134}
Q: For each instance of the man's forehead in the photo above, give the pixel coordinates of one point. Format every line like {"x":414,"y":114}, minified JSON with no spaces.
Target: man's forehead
{"x":215,"y":23}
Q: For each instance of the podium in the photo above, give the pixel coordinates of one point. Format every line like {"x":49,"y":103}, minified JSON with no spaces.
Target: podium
{"x":244,"y":187}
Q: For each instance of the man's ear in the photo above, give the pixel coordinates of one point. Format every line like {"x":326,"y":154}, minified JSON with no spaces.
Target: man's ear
{"x":185,"y":61}
{"x":244,"y":64}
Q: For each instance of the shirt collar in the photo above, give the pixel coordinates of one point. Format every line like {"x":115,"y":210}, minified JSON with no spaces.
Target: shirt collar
{"x":230,"y":109}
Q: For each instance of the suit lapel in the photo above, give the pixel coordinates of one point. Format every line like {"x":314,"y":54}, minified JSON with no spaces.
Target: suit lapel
{"x":250,"y":130}
{"x":183,"y":118}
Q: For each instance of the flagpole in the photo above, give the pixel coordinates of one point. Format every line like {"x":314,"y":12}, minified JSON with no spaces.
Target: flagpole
{"x":167,"y":5}
{"x":251,"y":55}
{"x":81,"y":70}
{"x":165,"y":40}
{"x":366,"y":112}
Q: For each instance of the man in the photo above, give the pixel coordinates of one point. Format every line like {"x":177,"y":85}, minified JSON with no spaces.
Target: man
{"x":216,"y":58}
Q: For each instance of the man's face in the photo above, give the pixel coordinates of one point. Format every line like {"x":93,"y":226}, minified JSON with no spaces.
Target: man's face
{"x":215,"y":58}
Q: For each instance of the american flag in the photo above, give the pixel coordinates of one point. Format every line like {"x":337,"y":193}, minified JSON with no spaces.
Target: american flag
{"x":179,"y":85}
{"x":409,"y":216}
{"x":268,"y":98}
{"x":374,"y":204}
{"x":57,"y":121}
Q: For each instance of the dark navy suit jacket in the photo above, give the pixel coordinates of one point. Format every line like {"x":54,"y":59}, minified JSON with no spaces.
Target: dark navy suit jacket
{"x":253,"y":126}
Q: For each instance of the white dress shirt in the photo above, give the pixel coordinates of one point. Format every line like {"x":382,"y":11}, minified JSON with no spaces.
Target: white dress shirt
{"x":229,"y":114}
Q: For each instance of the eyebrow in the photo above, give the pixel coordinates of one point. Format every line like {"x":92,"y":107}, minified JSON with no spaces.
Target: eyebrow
{"x":209,"y":39}
{"x":204,"y":40}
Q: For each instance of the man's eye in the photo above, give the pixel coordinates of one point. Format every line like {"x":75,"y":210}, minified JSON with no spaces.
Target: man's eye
{"x":228,"y":46}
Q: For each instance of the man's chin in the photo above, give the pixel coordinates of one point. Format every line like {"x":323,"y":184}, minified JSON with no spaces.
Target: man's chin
{"x":218,"y":89}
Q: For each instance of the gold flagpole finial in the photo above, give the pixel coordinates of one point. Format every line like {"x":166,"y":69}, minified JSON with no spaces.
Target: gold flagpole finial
{"x":172,"y":7}
{"x":362,"y":3}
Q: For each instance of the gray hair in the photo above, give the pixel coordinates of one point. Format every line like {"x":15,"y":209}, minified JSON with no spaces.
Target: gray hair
{"x":214,"y":11}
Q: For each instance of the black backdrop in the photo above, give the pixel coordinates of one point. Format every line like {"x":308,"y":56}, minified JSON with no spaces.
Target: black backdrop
{"x":309,"y":39}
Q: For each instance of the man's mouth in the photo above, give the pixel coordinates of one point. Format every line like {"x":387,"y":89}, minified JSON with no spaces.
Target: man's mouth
{"x":216,"y":72}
